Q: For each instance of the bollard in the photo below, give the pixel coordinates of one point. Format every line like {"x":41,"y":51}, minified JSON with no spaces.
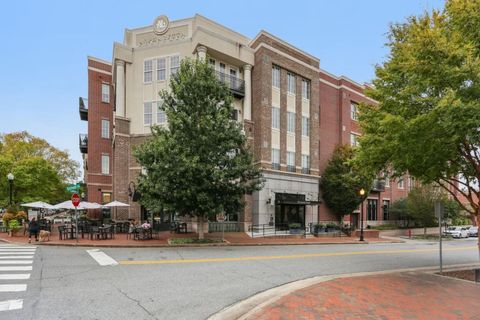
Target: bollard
{"x":409,"y":233}
{"x":477,"y":275}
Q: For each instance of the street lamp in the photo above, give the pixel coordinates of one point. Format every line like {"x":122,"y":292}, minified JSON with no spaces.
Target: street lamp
{"x":10,"y":178}
{"x":362,"y":194}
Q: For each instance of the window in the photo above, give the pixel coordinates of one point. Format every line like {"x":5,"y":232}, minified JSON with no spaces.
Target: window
{"x":147,"y":113}
{"x":371,"y":209}
{"x":387,"y":182}
{"x":354,"y":111}
{"x":291,"y":122}
{"x":105,"y":164}
{"x":410,"y":183}
{"x":106,"y":197}
{"x":305,"y":163}
{"x":275,"y":118}
{"x":290,"y":83}
{"x":400,"y":183}
{"x":276,"y":159}
{"x":105,"y":129}
{"x":174,"y":64}
{"x":161,"y":69}
{"x":147,"y":70}
{"x":305,"y":126}
{"x":211,"y":62}
{"x":386,"y":209}
{"x":276,"y":77}
{"x":354,"y":140}
{"x":305,"y":89}
{"x":105,"y":92}
{"x":291,"y":161}
{"x":161,"y":116}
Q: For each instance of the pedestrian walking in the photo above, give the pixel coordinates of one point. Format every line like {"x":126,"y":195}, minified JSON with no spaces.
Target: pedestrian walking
{"x":33,"y":228}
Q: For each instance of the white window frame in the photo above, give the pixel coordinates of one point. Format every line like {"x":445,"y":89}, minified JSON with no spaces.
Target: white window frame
{"x":387,"y":182}
{"x":161,"y":68}
{"x":354,"y":139}
{"x":276,"y":77}
{"x":105,"y":92}
{"x":306,"y":89}
{"x":305,"y":161}
{"x":105,"y":129}
{"x":105,"y":164}
{"x":401,"y":183}
{"x":148,"y":71}
{"x":174,"y":64}
{"x":160,"y":113}
{"x":305,"y":126}
{"x":275,"y":156}
{"x":291,"y":122}
{"x":212,"y":62}
{"x":291,"y":81}
{"x":290,"y":159}
{"x":275,"y":118}
{"x":354,"y":111}
{"x":147,"y":115}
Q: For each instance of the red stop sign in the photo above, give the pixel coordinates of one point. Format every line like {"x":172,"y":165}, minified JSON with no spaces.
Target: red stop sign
{"x":75,"y":200}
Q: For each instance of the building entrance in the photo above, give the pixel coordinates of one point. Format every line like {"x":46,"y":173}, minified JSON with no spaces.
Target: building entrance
{"x":289,"y":208}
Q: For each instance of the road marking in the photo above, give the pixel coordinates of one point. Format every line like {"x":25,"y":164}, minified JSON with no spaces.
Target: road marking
{"x":16,"y":262}
{"x":19,"y":247}
{"x":14,"y":276}
{"x":13,"y":287}
{"x":18,"y":250}
{"x":16,"y":253}
{"x":16,"y":257}
{"x":286,"y":257}
{"x":11,"y":305}
{"x":15,"y":268}
{"x":102,"y":258}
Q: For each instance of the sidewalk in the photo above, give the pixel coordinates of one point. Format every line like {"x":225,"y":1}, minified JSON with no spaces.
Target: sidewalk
{"x":407,"y":295}
{"x":231,"y":238}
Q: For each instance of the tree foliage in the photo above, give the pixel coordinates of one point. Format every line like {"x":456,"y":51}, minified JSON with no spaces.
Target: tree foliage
{"x":427,"y":118}
{"x":40,"y":170}
{"x":341,"y":183}
{"x":200,"y":165}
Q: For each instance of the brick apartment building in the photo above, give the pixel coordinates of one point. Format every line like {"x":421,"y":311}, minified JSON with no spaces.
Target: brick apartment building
{"x":293,"y":113}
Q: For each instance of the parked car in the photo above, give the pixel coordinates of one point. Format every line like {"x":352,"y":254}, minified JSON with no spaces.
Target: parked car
{"x":473,"y":232}
{"x":457,"y":232}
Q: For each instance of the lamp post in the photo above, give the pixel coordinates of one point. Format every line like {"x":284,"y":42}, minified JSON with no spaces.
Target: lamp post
{"x":10,"y":178}
{"x":362,"y":194}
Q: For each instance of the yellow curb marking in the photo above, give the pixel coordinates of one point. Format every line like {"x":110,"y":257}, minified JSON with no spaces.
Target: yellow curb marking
{"x":294,"y":256}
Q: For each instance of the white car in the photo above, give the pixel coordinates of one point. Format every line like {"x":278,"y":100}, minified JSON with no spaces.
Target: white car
{"x":457,"y":232}
{"x":473,"y":232}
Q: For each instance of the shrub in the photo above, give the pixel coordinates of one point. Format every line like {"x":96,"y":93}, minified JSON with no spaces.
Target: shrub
{"x":21,"y":215}
{"x":294,"y":226}
{"x":332,"y":225}
{"x":7,"y":217}
{"x":14,"y":225}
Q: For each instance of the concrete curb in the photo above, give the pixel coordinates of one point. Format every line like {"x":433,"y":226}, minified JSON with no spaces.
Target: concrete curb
{"x":245,"y":308}
{"x":228,"y":244}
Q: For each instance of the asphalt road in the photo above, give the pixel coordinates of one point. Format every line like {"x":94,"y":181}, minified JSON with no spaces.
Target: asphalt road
{"x":193,"y":283}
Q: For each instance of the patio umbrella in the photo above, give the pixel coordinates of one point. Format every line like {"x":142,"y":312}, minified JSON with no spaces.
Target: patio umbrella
{"x":82,"y":206}
{"x":38,"y":205}
{"x":116,"y":204}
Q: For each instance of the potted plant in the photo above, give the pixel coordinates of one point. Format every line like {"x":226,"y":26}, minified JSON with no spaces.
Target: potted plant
{"x":13,"y":227}
{"x":331,"y":227}
{"x":295,"y":228}
{"x":318,"y":228}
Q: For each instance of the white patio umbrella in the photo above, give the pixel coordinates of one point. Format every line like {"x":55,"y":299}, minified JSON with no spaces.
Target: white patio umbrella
{"x":38,"y":205}
{"x":116,"y":204}
{"x":82,"y":206}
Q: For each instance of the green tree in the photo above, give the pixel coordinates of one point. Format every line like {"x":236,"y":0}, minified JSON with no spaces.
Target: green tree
{"x":427,"y":118}
{"x":421,"y":205}
{"x":39,"y":169}
{"x":341,"y":183}
{"x":201,"y":165}
{"x":399,"y":211}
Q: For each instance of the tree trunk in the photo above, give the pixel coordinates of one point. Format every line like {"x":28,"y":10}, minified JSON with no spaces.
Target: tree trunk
{"x":200,"y":227}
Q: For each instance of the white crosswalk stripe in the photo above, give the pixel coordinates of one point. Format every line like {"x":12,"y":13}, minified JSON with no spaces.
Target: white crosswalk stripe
{"x":14,"y":258}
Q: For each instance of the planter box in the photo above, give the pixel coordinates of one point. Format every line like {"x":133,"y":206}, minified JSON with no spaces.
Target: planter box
{"x":296,"y":231}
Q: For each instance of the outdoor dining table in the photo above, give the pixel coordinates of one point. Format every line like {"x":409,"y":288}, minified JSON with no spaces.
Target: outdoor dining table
{"x":142,"y":234}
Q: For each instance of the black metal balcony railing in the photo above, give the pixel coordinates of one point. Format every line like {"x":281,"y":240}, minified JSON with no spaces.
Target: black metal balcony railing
{"x":83,"y":108}
{"x":83,"y":143}
{"x":291,"y":169}
{"x":306,"y":170}
{"x":276,"y":166}
{"x":378,"y":185}
{"x":236,"y":85}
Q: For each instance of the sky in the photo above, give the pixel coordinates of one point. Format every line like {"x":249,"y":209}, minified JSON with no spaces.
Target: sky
{"x":45,"y":44}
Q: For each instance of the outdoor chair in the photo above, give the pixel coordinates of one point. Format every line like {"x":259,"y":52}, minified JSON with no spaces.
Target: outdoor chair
{"x":62,"y":233}
{"x":94,"y":233}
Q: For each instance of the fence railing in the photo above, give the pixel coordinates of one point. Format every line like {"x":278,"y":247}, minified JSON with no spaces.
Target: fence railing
{"x":228,"y":226}
{"x":278,"y":229}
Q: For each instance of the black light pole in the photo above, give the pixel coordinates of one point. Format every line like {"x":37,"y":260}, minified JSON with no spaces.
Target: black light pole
{"x":362,"y":194}
{"x":10,"y":183}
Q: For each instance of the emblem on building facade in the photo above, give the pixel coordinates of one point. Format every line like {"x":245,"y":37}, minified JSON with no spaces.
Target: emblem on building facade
{"x":160,"y":25}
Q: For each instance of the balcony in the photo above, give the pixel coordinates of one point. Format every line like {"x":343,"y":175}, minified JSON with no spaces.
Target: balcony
{"x":83,"y":108}
{"x":236,"y":85}
{"x":378,"y":185}
{"x":83,"y":143}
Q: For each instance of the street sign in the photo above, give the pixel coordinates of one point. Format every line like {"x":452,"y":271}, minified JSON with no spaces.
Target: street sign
{"x":73,"y":188}
{"x":75,"y":200}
